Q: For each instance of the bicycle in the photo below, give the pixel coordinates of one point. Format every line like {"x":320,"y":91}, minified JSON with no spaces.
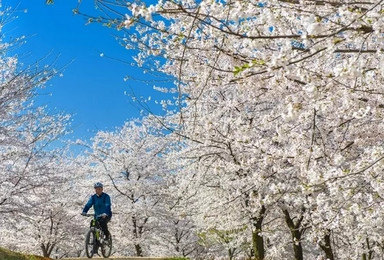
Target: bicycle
{"x":95,"y":239}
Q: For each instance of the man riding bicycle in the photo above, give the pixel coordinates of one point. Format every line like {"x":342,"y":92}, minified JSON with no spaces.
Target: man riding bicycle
{"x":101,"y":203}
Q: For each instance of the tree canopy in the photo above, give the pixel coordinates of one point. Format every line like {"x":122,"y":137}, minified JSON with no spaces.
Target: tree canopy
{"x":272,"y":146}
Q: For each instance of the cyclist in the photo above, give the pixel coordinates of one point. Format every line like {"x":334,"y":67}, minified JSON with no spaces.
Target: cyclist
{"x":101,"y":203}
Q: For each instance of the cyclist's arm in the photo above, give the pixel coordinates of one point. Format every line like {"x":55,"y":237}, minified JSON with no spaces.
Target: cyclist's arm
{"x":88,"y":205}
{"x":108,"y":206}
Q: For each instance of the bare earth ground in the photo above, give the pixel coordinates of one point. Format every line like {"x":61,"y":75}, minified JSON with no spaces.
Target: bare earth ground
{"x":120,"y":258}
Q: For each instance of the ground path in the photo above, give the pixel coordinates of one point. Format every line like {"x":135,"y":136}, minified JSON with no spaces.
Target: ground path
{"x":119,"y":258}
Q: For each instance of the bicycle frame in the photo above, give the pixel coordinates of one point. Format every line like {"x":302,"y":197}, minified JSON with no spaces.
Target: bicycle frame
{"x":95,"y":240}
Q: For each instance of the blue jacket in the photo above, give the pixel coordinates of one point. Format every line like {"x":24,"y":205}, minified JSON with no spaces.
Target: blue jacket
{"x":101,"y":204}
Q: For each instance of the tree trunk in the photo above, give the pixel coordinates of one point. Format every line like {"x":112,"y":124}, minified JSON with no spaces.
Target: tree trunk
{"x":47,"y":249}
{"x":368,"y":256}
{"x":326,"y":247}
{"x":139,"y":250}
{"x":137,"y":234}
{"x":257,"y":240}
{"x":231,"y":253}
{"x":295,"y":234}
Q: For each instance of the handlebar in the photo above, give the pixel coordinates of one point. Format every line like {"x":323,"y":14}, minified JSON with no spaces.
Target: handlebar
{"x":91,"y":215}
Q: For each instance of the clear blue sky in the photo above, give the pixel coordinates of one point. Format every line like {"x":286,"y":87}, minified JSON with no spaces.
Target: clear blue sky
{"x":92,"y":87}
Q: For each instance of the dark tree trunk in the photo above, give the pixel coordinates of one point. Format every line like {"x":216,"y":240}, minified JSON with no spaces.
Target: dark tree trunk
{"x":47,"y":249}
{"x":139,"y":250}
{"x":295,"y":234}
{"x":326,"y":247}
{"x":257,"y":240}
{"x":231,"y":253}
{"x":368,"y":256}
{"x":137,"y":233}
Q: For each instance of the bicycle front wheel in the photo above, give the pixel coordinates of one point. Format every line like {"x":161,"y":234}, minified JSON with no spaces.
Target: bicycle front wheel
{"x":106,"y":247}
{"x":90,"y":244}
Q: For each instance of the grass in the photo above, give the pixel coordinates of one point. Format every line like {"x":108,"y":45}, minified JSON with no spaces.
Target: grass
{"x":9,"y":255}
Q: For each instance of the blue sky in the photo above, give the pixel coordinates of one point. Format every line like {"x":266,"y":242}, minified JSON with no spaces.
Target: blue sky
{"x":92,"y":87}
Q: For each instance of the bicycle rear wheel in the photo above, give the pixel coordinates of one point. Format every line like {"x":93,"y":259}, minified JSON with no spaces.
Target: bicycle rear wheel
{"x":90,"y":244}
{"x":106,"y":247}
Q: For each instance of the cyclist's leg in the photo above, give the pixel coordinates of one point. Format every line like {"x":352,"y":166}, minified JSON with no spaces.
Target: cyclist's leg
{"x":104,"y":225}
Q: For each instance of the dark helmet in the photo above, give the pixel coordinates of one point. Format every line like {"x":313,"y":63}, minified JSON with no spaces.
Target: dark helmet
{"x":97,"y":185}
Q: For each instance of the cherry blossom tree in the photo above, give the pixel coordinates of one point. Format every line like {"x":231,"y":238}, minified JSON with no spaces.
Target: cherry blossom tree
{"x":131,"y":159}
{"x":49,"y":224}
{"x":25,"y":130}
{"x":280,"y":109}
{"x":31,"y":162}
